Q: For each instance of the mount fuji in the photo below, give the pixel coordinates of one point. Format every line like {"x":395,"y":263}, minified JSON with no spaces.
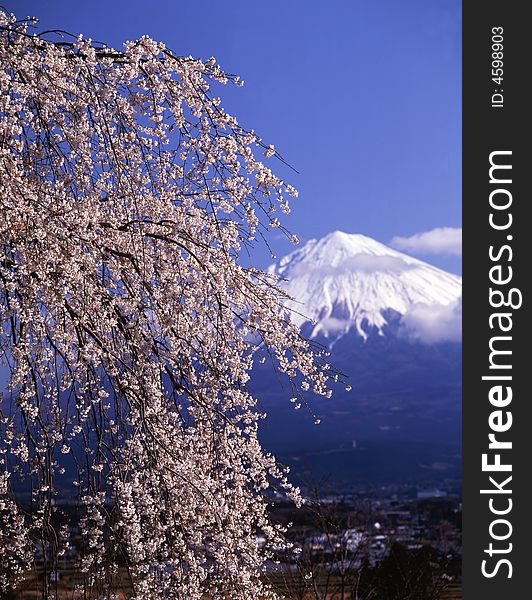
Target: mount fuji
{"x":393,"y":325}
{"x":346,"y":282}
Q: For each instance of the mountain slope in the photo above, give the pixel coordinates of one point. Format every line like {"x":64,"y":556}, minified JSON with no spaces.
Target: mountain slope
{"x":346,"y":281}
{"x":365,"y":299}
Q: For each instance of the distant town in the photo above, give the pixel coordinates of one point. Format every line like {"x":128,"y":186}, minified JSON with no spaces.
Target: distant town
{"x":386,"y":541}
{"x":391,"y":535}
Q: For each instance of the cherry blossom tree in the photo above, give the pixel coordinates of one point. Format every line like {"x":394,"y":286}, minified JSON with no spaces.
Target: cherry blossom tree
{"x":128,"y":326}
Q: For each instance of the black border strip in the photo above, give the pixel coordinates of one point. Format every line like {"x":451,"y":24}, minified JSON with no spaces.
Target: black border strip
{"x":490,"y":125}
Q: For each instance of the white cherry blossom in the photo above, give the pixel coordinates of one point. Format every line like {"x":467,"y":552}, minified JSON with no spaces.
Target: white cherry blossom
{"x":127,"y":324}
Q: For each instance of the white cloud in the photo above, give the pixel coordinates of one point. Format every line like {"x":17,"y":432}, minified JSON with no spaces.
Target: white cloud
{"x":442,"y":240}
{"x":434,"y":323}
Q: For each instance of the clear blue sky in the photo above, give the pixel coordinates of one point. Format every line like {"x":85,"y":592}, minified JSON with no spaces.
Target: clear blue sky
{"x":362,"y":97}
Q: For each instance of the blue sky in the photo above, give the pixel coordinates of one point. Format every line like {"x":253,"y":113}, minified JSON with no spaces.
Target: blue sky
{"x":362,"y":97}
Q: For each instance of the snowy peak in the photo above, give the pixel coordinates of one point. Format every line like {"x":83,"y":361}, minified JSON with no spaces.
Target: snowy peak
{"x":344,"y":281}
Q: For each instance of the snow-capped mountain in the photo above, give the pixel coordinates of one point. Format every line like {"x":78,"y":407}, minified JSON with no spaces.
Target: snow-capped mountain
{"x":345,"y":282}
{"x":392,"y":324}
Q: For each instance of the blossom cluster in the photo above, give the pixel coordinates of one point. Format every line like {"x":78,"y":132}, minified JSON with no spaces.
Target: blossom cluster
{"x":128,"y":326}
